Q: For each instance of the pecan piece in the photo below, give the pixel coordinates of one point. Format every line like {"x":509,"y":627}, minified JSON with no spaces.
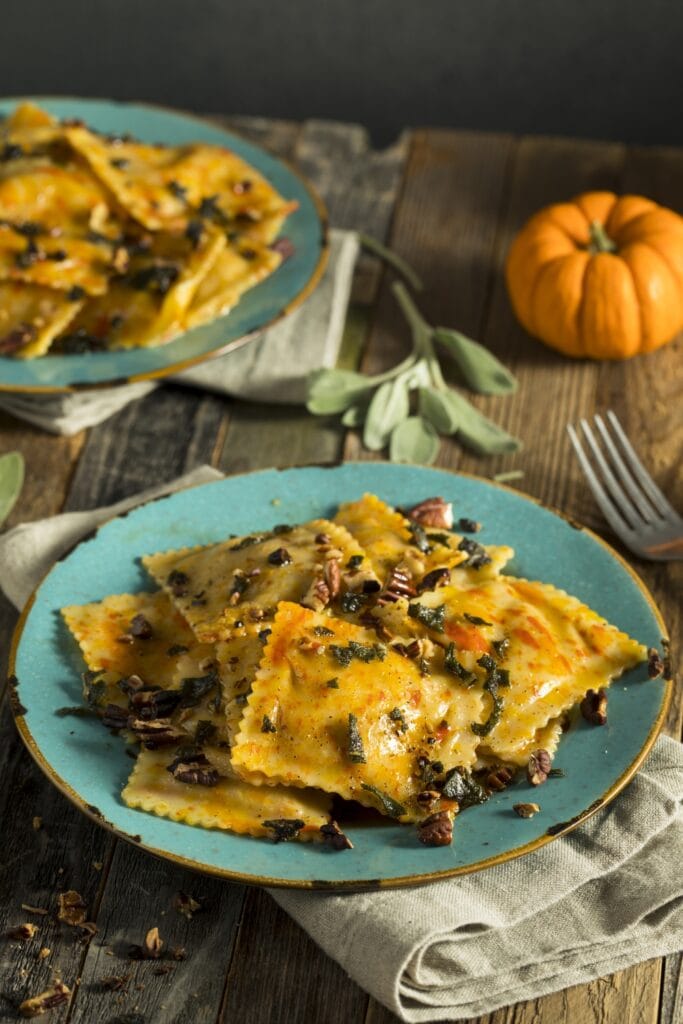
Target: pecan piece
{"x":655,"y":665}
{"x":538,"y":768}
{"x":131,"y":684}
{"x":71,"y":909}
{"x":594,"y":707}
{"x":154,"y":704}
{"x":332,"y":577}
{"x":317,"y":596}
{"x":188,"y":905}
{"x":22,"y":932}
{"x":114,"y":982}
{"x":280,"y":556}
{"x":437,"y":829}
{"x":399,"y":584}
{"x":158,"y":732}
{"x":194,"y":769}
{"x":141,"y":628}
{"x":499,"y":778}
{"x":47,"y":1000}
{"x":525,"y":810}
{"x":428,"y":799}
{"x":114,"y":717}
{"x":435,"y":512}
{"x":151,"y":948}
{"x":334,"y":837}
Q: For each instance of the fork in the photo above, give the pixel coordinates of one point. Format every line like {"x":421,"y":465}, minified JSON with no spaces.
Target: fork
{"x":630,"y":500}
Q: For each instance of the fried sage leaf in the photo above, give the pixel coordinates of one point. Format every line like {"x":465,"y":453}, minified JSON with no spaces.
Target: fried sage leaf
{"x":480,"y":369}
{"x":414,"y":440}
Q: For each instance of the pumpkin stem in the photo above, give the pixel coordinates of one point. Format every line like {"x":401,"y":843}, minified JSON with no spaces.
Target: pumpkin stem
{"x":600,"y":240}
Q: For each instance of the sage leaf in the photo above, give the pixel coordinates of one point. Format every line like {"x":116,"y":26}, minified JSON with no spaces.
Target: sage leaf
{"x":480,"y":369}
{"x":332,"y":391}
{"x":414,"y":440}
{"x":389,"y":406}
{"x":11,"y":482}
{"x":354,"y":416}
{"x":480,"y":434}
{"x":436,"y":406}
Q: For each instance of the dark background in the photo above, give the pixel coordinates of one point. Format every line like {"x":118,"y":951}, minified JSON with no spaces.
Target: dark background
{"x":600,"y":68}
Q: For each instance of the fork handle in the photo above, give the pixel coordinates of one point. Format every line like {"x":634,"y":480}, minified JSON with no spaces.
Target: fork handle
{"x":670,"y":549}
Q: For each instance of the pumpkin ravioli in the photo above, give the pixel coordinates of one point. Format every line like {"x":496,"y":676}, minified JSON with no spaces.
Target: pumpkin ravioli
{"x":333,"y":708}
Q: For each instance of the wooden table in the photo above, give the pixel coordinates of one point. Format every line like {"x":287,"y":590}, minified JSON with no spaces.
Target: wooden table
{"x":450,"y":203}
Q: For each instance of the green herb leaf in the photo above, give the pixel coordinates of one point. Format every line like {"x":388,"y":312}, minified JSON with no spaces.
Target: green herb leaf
{"x":480,"y":369}
{"x":414,"y":440}
{"x":435,"y":406}
{"x":11,"y":482}
{"x":354,"y":416}
{"x":390,"y":405}
{"x":332,"y":391}
{"x":354,"y":750}
{"x":452,"y":664}
{"x":390,"y":806}
{"x":432,"y":618}
{"x":477,"y":432}
{"x":461,"y":786}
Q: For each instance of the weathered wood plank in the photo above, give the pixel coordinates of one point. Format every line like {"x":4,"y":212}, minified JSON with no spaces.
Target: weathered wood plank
{"x":279,"y":974}
{"x":671,"y":1005}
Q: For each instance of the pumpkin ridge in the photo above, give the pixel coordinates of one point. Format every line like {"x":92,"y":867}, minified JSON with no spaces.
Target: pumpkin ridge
{"x":532,"y":294}
{"x":670,"y":267}
{"x":583,"y":353}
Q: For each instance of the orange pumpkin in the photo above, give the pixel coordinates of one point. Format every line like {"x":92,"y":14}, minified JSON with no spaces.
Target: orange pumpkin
{"x":600,"y":276}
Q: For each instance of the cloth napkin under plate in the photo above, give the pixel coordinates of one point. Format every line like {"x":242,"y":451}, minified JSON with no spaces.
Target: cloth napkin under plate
{"x":606,"y":896}
{"x":261,"y":370}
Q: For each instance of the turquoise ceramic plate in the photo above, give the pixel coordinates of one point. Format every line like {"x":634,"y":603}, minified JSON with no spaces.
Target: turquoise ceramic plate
{"x":90,"y":766}
{"x":270,"y":300}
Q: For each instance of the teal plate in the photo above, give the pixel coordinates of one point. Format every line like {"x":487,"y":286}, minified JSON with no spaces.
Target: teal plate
{"x":90,"y":766}
{"x":260,"y":307}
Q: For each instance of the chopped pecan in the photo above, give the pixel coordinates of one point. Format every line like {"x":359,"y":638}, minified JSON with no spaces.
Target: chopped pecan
{"x":655,"y":664}
{"x":399,"y":584}
{"x":155,"y":733}
{"x":240,"y":583}
{"x":538,"y":768}
{"x":428,"y":799}
{"x":332,"y":576}
{"x":435,"y":578}
{"x":71,"y":909}
{"x":114,"y":982}
{"x":322,"y":538}
{"x":177,"y":953}
{"x":525,"y":810}
{"x":334,"y":837}
{"x":437,"y":829}
{"x":435,"y":512}
{"x":280,"y":556}
{"x":22,"y":932}
{"x":154,"y":704}
{"x":151,"y":949}
{"x":411,"y":650}
{"x":195,"y":770}
{"x":47,"y":1000}
{"x":594,"y":707}
{"x":141,"y":628}
{"x":317,"y":596}
{"x":131,"y":684}
{"x":499,"y":778}
{"x":188,"y":905}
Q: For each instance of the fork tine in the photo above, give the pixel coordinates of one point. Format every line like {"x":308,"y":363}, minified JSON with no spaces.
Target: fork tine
{"x":615,"y":491}
{"x":643,"y":505}
{"x":641,"y":474}
{"x":608,"y":510}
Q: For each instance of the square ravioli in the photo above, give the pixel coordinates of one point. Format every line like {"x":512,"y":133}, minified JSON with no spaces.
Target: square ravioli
{"x":225,"y":802}
{"x":334,"y":709}
{"x":535,"y":650}
{"x":392,"y":541}
{"x":243,"y":579}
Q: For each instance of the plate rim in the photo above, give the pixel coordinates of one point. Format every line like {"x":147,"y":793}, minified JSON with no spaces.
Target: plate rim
{"x":350,"y":885}
{"x":230,"y":346}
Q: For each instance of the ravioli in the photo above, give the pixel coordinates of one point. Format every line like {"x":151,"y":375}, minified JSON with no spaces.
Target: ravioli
{"x":31,"y":318}
{"x":229,"y":804}
{"x":332,"y":708}
{"x":554,"y":649}
{"x":235,"y":271}
{"x":243,"y":579}
{"x":390,"y":539}
{"x":163,"y":187}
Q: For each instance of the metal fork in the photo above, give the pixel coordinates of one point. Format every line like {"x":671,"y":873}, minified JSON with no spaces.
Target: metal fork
{"x":630,"y":500}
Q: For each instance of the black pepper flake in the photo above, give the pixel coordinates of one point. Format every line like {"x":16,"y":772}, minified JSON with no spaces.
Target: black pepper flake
{"x":332,"y":684}
{"x":177,"y":190}
{"x":175,"y":649}
{"x":194,"y":232}
{"x":141,"y":628}
{"x":10,"y":151}
{"x":284,"y":829}
{"x":476,"y":620}
{"x":267,"y":725}
{"x":76,"y":293}
{"x":209,"y":210}
{"x":281,"y":528}
{"x":119,"y":162}
{"x":355,"y":561}
{"x":468,"y":525}
{"x":57,"y":255}
{"x":178,"y":583}
{"x":354,"y":750}
{"x":264,"y":634}
{"x":158,"y":278}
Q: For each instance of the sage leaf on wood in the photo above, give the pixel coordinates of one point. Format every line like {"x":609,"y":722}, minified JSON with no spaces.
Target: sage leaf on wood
{"x":480,"y":369}
{"x":332,"y":391}
{"x":480,"y":434}
{"x":435,"y":405}
{"x":389,"y":406}
{"x":11,"y":482}
{"x":414,"y":440}
{"x":354,"y":416}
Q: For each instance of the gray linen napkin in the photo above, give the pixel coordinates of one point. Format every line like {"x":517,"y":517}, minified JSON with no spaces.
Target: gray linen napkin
{"x":262,"y":370}
{"x":607,"y":896}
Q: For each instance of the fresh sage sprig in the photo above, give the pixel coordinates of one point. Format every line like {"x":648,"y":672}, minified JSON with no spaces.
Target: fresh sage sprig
{"x":382,"y":404}
{"x":11,"y":482}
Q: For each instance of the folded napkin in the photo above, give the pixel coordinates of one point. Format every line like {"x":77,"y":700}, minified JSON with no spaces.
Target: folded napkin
{"x":307,"y":339}
{"x":606,"y":896}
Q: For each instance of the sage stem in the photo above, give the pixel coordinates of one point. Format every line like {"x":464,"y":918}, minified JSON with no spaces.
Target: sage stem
{"x":392,"y":259}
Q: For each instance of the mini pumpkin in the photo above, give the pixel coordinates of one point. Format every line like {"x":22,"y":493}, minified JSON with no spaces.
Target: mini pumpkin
{"x":600,"y":276}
